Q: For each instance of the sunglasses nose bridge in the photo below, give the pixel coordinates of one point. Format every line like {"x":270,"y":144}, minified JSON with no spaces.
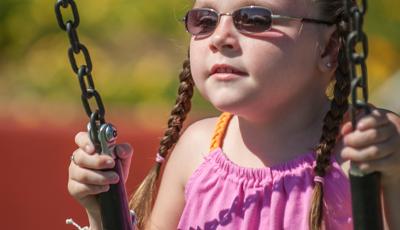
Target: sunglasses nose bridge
{"x":223,"y":14}
{"x":220,"y":16}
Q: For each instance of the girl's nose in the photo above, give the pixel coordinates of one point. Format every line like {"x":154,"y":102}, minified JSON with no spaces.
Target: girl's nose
{"x":225,"y":36}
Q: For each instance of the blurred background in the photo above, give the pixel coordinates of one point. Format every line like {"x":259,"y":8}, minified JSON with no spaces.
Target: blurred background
{"x":137,"y":48}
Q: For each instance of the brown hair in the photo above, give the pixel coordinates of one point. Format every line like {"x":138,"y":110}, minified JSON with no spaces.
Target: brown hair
{"x":333,"y":10}
{"x":142,"y":200}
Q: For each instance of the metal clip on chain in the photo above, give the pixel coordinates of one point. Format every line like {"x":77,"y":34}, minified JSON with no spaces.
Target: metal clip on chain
{"x":367,"y":210}
{"x":114,"y":204}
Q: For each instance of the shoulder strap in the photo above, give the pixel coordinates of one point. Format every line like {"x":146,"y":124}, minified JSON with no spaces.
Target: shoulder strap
{"x":220,"y":129}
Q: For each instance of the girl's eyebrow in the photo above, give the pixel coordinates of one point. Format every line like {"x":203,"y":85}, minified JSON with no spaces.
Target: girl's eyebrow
{"x":237,"y":4}
{"x":203,"y":3}
{"x":262,"y":3}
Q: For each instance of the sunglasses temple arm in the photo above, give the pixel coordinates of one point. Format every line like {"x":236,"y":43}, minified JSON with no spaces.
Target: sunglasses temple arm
{"x":317,"y":21}
{"x":276,"y":16}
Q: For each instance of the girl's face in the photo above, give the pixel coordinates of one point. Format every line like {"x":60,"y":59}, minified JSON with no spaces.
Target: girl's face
{"x":277,"y":67}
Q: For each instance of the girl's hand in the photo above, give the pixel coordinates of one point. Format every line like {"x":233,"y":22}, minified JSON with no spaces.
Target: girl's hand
{"x":88,"y":174}
{"x":375,"y":144}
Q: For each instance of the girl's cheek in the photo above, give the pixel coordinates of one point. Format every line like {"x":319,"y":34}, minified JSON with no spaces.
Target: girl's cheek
{"x":268,"y":35}
{"x":198,"y":66}
{"x":194,"y":66}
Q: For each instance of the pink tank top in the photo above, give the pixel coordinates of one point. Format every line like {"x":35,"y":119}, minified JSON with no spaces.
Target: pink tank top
{"x":223,"y":195}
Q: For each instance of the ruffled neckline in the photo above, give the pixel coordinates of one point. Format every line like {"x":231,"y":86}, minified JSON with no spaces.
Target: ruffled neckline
{"x":293,"y":166}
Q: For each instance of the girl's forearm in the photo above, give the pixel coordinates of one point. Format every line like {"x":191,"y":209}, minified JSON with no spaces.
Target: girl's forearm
{"x":391,"y":199}
{"x":94,"y":221}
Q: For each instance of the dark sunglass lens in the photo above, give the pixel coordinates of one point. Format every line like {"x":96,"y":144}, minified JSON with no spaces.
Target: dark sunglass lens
{"x":201,"y":21}
{"x":252,"y":19}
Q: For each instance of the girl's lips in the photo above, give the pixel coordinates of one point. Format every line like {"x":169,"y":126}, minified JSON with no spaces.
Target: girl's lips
{"x":225,"y":76}
{"x":225,"y":70}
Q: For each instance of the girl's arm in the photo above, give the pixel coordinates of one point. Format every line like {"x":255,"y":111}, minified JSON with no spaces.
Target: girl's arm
{"x":170,"y":199}
{"x":391,"y":183}
{"x":391,"y":203}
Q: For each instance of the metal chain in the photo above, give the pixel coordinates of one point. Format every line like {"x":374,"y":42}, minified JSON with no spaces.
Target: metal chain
{"x":365,"y":187}
{"x":83,"y":71}
{"x":357,"y":60}
{"x":113,"y":203}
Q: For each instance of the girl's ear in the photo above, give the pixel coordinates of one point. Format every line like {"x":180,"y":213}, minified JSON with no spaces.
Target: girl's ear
{"x":328,"y":60}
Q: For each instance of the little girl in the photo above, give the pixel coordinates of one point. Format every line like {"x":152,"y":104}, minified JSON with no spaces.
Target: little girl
{"x":277,"y":157}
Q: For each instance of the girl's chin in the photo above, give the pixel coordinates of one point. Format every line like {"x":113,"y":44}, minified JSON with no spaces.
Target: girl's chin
{"x":232,"y":106}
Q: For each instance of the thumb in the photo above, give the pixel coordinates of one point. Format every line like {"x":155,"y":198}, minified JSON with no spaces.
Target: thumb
{"x":124,"y":153}
{"x":346,"y":128}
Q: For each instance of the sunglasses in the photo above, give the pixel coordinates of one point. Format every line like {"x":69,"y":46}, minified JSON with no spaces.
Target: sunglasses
{"x":248,"y":20}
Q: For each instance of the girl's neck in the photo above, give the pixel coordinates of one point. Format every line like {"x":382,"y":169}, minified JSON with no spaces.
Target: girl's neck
{"x":293,"y":131}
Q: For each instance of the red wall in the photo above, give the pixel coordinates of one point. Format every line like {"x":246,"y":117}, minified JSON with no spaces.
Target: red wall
{"x":34,"y":165}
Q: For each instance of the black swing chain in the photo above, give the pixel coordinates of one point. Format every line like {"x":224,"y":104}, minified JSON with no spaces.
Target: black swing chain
{"x":84,"y":71}
{"x":114,"y":207}
{"x":357,"y":60}
{"x":365,"y":187}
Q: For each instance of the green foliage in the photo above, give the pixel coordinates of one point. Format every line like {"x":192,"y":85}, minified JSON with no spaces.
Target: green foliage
{"x":137,"y":48}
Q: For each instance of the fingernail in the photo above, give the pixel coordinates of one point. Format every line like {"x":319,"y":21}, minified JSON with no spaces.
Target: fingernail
{"x":123,"y":154}
{"x":106,"y":188}
{"x":110,"y":162}
{"x":88,"y":148}
{"x":115,"y":178}
{"x":365,"y":167}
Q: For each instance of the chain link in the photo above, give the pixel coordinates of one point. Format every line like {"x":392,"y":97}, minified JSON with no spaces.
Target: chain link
{"x":357,"y":59}
{"x":83,"y":71}
{"x":64,"y":4}
{"x":72,"y":59}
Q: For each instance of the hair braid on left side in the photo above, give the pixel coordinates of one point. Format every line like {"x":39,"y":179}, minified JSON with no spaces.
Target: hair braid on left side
{"x":330,"y":130}
{"x":179,"y":112}
{"x":143,"y":198}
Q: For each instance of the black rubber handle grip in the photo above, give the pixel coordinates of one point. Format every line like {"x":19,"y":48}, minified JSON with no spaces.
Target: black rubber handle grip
{"x":367,"y":209}
{"x":115,"y":213}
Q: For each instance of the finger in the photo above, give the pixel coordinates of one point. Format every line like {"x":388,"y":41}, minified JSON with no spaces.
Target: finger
{"x":82,"y":139}
{"x":361,"y":139}
{"x":374,"y":152}
{"x":95,"y":161}
{"x":386,"y":165}
{"x":395,"y":120}
{"x":364,"y":167}
{"x":92,"y":177}
{"x":346,"y":128}
{"x":375,"y":119}
{"x":124,"y":152}
{"x":80,"y":190}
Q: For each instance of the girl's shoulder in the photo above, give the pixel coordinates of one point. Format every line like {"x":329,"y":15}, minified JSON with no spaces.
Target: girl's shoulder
{"x":194,"y":145}
{"x":186,"y":156}
{"x":197,"y":136}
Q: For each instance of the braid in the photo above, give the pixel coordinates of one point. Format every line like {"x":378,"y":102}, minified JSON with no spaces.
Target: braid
{"x":330,"y":130}
{"x":142,"y":201}
{"x":180,"y":110}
